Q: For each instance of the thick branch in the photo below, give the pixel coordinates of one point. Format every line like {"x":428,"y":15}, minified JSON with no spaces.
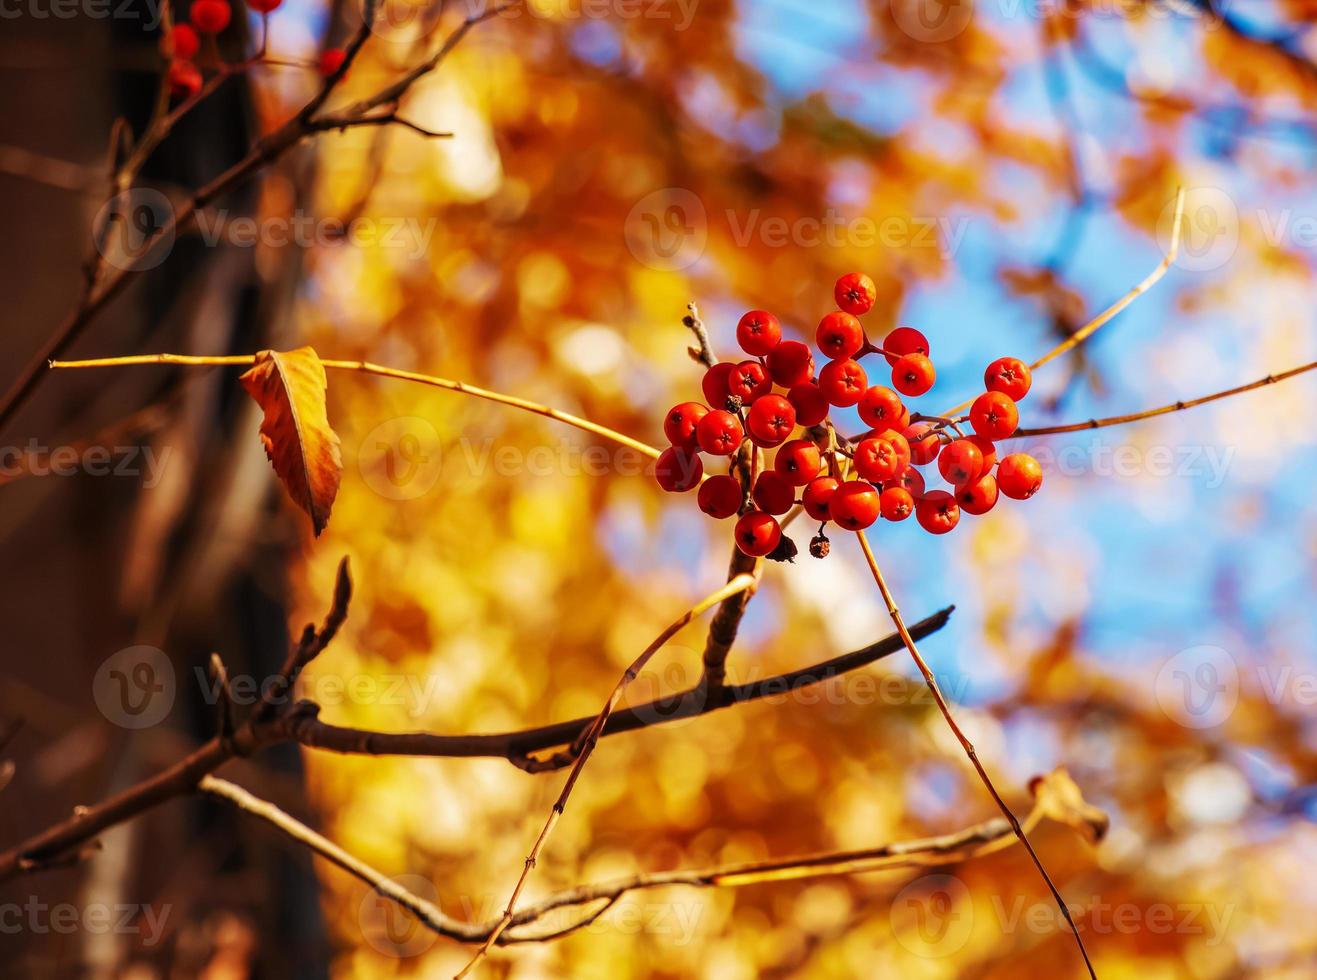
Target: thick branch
{"x":299,"y":723}
{"x":727,"y":620}
{"x":692,"y":703}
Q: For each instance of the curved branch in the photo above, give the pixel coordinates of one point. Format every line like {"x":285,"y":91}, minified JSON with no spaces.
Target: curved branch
{"x":975,"y":841}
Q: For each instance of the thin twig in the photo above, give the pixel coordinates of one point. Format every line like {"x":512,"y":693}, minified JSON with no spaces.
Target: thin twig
{"x":965,"y":743}
{"x":703,"y":353}
{"x":584,"y":747}
{"x":427,"y":912}
{"x":224,"y":716}
{"x":975,"y":841}
{"x":365,"y":367}
{"x":1179,"y":406}
{"x":1088,"y":329}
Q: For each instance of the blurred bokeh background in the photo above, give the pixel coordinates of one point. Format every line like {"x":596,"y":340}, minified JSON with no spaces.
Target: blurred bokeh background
{"x":1003,"y":169}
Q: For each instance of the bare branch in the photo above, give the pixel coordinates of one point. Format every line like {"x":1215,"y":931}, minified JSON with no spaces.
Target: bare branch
{"x":429,"y":914}
{"x":1179,"y":406}
{"x":975,"y":841}
{"x":517,"y":746}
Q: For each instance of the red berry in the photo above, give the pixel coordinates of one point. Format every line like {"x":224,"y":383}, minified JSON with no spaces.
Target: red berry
{"x":960,"y":462}
{"x":902,"y":446}
{"x":181,"y":43}
{"x":855,"y":293}
{"x":184,"y":79}
{"x":210,"y":16}
{"x":679,"y":425}
{"x":714,"y":384}
{"x":989,"y":452}
{"x":758,"y":332}
{"x":331,"y":60}
{"x":816,"y":496}
{"x":876,"y":460}
{"x":902,"y":341}
{"x":791,"y":363}
{"x":896,"y":503}
{"x":839,"y":335}
{"x":1019,"y":476}
{"x":799,"y":461}
{"x":854,"y":505}
{"x":720,"y":496}
{"x":264,"y":6}
{"x":911,"y":480}
{"x":749,"y":380}
{"x":1009,"y":375}
{"x":937,"y":512}
{"x":773,"y":493}
{"x":678,"y":469}
{"x":843,"y":382}
{"x":719,"y":433}
{"x":757,"y":533}
{"x":810,"y":403}
{"x":880,"y":407}
{"x":978,"y":497}
{"x":770,"y":420}
{"x":924,"y":444}
{"x":913,"y":374}
{"x":994,"y":415}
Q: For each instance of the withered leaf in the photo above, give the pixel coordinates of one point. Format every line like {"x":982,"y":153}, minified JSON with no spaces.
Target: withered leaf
{"x":302,"y":446}
{"x":1062,"y":800}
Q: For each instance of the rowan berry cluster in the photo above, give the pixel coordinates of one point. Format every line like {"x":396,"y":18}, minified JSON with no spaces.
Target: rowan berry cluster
{"x":182,"y":43}
{"x":759,"y":403}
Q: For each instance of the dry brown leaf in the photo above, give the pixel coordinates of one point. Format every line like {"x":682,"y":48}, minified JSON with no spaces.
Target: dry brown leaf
{"x":1062,"y":800}
{"x":302,"y":446}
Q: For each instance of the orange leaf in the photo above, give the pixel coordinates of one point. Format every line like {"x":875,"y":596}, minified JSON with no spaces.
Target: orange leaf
{"x":301,"y":445}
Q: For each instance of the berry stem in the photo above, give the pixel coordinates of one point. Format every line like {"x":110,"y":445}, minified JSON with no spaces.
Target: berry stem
{"x":589,"y":738}
{"x":965,"y":743}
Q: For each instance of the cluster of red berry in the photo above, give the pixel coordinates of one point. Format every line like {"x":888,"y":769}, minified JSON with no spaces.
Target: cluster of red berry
{"x":182,"y":42}
{"x":850,"y":482}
